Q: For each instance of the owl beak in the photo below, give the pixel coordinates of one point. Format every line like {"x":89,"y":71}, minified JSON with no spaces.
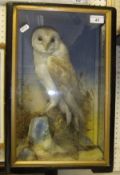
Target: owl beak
{"x":46,"y":46}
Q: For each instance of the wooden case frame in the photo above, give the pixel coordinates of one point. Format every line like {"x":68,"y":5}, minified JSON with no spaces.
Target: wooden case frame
{"x":12,"y":39}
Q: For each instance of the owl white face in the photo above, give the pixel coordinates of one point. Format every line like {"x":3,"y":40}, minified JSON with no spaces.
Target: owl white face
{"x":46,"y":40}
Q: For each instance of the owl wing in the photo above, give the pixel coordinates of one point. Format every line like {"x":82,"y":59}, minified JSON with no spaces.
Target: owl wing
{"x":65,"y":78}
{"x":63,"y":73}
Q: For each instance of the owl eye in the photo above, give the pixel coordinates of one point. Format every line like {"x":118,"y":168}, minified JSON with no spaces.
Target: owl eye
{"x":52,"y":40}
{"x":39,"y":38}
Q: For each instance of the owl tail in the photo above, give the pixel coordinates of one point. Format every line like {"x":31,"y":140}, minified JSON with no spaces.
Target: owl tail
{"x":76,"y":111}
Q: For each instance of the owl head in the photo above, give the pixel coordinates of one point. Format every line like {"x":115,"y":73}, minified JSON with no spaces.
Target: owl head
{"x":45,"y":40}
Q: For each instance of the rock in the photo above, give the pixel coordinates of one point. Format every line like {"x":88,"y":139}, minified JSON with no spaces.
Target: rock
{"x":39,"y":144}
{"x":39,"y":136}
{"x":26,"y":154}
{"x":38,"y":130}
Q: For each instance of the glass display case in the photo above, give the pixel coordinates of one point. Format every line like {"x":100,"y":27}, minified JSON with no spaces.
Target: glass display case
{"x":61,"y":75}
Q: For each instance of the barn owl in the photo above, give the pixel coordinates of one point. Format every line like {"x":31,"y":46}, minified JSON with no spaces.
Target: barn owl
{"x":55,"y":72}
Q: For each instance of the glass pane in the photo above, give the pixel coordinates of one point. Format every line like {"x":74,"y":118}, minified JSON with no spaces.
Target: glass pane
{"x":60,"y":86}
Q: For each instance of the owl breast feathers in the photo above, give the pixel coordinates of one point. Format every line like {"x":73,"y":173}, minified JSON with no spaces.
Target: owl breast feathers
{"x":56,"y":73}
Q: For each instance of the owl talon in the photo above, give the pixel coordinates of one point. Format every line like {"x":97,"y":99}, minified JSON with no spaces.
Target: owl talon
{"x":50,"y":106}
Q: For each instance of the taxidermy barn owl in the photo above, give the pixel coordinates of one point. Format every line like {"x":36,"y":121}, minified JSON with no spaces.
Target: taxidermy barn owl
{"x":55,"y":72}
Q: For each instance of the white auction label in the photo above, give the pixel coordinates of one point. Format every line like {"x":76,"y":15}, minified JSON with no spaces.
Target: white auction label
{"x":24,"y":28}
{"x":96,"y":19}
